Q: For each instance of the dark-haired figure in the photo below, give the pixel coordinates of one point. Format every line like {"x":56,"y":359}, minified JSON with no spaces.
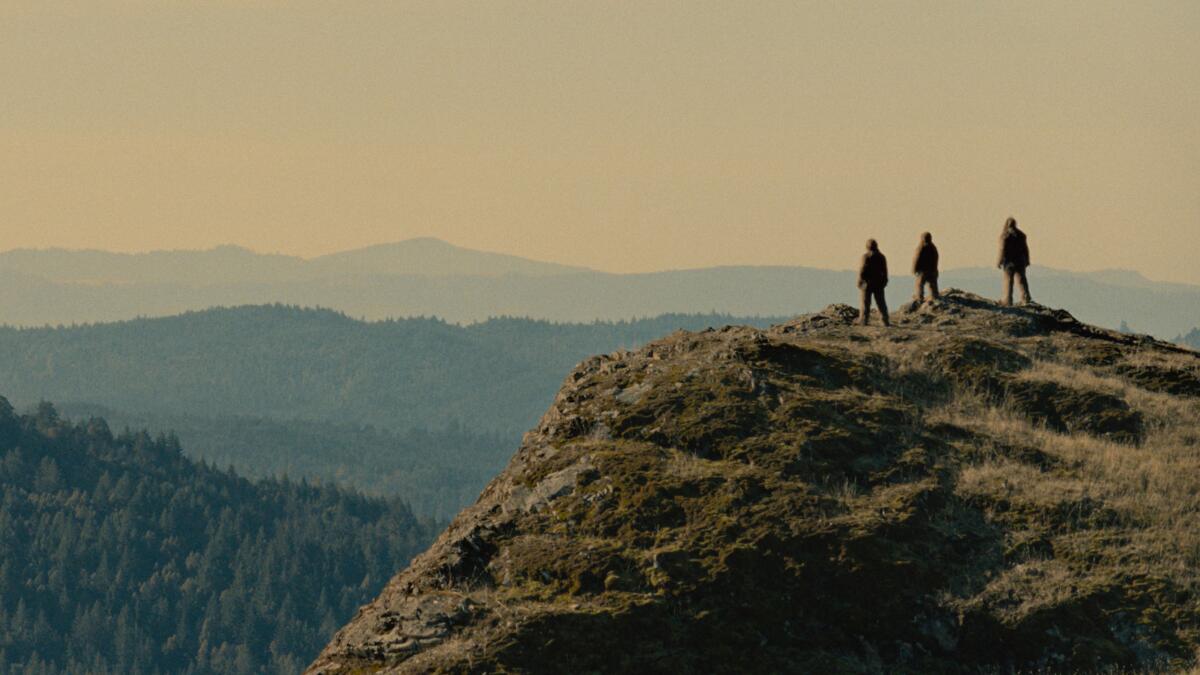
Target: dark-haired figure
{"x":1014,"y":260}
{"x":872,"y":279}
{"x":925,"y":267}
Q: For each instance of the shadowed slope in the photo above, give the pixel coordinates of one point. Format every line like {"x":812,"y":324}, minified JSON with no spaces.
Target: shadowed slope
{"x":978,"y":488}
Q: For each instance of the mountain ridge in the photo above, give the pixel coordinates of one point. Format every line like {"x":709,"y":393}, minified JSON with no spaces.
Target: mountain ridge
{"x":426,"y":244}
{"x":976,"y":489}
{"x":231,"y":263}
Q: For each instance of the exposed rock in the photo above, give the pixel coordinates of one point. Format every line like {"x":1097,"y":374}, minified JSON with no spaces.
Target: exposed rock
{"x":553,"y":486}
{"x":420,"y":621}
{"x":817,"y":497}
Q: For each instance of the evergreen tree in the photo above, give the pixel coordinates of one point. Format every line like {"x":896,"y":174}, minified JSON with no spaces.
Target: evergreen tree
{"x":120,"y":555}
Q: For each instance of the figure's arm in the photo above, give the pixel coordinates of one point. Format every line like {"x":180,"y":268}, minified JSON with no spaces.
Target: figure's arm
{"x":917,"y":260}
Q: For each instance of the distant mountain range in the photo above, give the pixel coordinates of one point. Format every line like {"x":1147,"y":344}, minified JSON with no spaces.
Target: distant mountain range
{"x":428,"y":277}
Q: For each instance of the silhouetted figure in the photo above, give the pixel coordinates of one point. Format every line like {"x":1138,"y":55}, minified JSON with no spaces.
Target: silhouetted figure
{"x":925,"y":267}
{"x":1014,"y":259}
{"x":872,"y":279}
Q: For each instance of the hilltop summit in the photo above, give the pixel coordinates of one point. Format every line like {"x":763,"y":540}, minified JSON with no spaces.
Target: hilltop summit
{"x":428,"y":256}
{"x":977,"y":488}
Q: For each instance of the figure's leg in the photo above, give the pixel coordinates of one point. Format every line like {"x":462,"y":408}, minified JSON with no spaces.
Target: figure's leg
{"x":1025,"y":297}
{"x":866,"y":307}
{"x":1008,"y":287}
{"x":933,"y":289}
{"x":883,"y":310}
{"x":920,"y":288}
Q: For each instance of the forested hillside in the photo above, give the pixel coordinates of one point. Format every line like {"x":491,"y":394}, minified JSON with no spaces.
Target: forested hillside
{"x":419,"y":408}
{"x":120,"y":555}
{"x":291,"y":363}
{"x":435,"y":472}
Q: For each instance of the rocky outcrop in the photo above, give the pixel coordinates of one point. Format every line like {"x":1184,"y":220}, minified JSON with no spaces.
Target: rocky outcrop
{"x":821,"y":497}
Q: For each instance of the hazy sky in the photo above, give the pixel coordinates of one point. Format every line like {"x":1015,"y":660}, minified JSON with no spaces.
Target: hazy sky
{"x":617,"y":135}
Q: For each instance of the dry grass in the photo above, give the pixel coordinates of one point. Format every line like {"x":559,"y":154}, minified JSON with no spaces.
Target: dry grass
{"x":688,"y":466}
{"x":1083,"y":378}
{"x":1164,"y":411}
{"x":1153,"y":490}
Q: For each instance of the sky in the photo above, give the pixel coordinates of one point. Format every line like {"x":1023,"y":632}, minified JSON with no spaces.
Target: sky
{"x":623,"y":136}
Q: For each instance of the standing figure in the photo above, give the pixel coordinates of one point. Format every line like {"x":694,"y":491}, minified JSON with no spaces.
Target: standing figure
{"x":1014,"y":260}
{"x":872,"y":279}
{"x":925,"y":267}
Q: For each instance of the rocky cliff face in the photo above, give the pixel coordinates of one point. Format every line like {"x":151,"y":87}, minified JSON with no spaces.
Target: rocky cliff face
{"x":977,"y":488}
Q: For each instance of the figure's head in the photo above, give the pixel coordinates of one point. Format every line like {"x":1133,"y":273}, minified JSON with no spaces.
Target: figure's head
{"x":872,"y":245}
{"x":1010,"y":224}
{"x":926,"y":238}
